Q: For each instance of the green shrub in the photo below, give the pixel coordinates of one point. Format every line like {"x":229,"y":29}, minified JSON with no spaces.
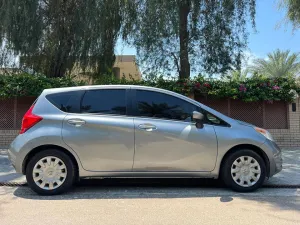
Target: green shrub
{"x":252,"y":89}
{"x":30,"y":85}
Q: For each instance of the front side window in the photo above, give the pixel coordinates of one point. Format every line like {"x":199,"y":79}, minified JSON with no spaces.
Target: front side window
{"x":213,"y":120}
{"x":163,"y":106}
{"x":105,"y":101}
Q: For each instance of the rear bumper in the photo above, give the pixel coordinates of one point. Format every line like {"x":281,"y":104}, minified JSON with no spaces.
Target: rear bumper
{"x":15,"y":156}
{"x":12,"y":158}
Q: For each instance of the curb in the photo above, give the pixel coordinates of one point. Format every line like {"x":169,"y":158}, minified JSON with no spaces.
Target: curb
{"x":12,"y":184}
{"x":3,"y":152}
{"x":291,"y":186}
{"x":278,"y":186}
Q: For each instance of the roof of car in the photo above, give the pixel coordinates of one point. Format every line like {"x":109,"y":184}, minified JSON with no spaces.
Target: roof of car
{"x":95,"y":87}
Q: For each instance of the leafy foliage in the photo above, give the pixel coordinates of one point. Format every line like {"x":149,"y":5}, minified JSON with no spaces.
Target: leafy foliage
{"x":293,"y":11}
{"x":29,"y":85}
{"x":251,"y":89}
{"x":236,"y":75}
{"x":51,"y":36}
{"x":54,"y":36}
{"x":278,"y":64}
{"x":174,"y":34}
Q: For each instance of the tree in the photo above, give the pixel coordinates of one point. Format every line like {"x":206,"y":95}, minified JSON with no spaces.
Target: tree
{"x":237,"y":75}
{"x":278,"y":64}
{"x":188,"y":34}
{"x":293,"y":11}
{"x":51,"y":36}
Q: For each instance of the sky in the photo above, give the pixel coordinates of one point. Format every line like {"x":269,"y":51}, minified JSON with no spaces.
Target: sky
{"x":272,"y":32}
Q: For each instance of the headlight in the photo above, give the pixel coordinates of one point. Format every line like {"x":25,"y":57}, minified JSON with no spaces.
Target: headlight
{"x":264,"y":132}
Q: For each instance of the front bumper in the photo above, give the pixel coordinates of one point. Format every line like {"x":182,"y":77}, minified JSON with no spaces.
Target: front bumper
{"x":278,"y":162}
{"x":274,"y":155}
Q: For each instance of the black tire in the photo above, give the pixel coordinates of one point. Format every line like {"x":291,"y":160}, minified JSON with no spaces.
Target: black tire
{"x":69,"y":180}
{"x":226,"y":170}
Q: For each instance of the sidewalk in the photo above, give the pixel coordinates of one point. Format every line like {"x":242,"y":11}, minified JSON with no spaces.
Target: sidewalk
{"x":290,"y":175}
{"x":7,"y":172}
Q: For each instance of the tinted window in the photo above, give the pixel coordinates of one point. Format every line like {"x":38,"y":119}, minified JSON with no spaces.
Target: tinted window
{"x":66,"y":101}
{"x":159,"y":105}
{"x":104,"y":102}
{"x":212,"y":119}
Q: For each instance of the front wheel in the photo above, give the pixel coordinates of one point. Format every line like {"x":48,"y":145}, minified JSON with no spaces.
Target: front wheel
{"x":50,"y":172}
{"x":243,"y":171}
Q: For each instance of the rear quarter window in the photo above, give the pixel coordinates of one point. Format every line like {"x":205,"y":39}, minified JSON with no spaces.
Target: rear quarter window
{"x":66,"y":101}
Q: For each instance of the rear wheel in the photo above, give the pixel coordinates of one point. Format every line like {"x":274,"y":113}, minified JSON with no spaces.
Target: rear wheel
{"x":50,"y":172}
{"x":244,"y":171}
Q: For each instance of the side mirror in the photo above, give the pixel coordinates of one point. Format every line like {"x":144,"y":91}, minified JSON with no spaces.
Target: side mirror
{"x":198,"y":117}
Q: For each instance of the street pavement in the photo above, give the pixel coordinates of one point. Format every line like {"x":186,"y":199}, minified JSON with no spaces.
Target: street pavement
{"x":150,"y":206}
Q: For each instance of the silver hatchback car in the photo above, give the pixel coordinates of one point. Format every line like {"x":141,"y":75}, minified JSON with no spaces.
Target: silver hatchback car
{"x":136,"y":131}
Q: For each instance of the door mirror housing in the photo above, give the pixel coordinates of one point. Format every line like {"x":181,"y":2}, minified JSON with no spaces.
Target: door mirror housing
{"x":198,"y":116}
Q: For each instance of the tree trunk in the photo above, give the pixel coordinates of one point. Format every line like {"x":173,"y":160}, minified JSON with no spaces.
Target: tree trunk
{"x":184,"y":10}
{"x":112,"y":25}
{"x":60,"y":60}
{"x":107,"y":58}
{"x":64,"y":33}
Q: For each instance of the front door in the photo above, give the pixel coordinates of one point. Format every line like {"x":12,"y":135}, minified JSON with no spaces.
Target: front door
{"x":166,"y":139}
{"x":102,"y":135}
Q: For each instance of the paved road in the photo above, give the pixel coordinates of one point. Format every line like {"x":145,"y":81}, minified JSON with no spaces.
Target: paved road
{"x":153,"y":202}
{"x":150,"y":205}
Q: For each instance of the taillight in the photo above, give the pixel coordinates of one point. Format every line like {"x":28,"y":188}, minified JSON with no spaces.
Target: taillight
{"x":29,"y":120}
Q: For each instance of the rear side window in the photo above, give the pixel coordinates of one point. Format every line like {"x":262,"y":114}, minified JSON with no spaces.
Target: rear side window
{"x":105,"y":101}
{"x":66,"y":101}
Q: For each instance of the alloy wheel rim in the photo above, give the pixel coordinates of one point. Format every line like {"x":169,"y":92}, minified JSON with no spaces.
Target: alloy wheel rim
{"x":49,"y":173}
{"x":245,"y":171}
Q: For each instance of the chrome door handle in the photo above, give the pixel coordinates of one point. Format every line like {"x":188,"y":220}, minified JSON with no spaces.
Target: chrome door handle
{"x":76,"y":122}
{"x":147,"y":127}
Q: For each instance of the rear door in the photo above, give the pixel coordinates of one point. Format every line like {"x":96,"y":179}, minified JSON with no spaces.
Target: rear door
{"x":101,"y":133}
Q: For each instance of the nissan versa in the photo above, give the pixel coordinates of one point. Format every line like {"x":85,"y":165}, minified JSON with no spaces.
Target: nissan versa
{"x":135,"y":131}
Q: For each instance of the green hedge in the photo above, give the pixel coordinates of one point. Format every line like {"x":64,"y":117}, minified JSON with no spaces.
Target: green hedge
{"x":29,"y":85}
{"x":252,"y":89}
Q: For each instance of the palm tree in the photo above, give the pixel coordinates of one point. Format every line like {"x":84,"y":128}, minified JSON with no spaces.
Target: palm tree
{"x":277,"y":64}
{"x":237,"y":75}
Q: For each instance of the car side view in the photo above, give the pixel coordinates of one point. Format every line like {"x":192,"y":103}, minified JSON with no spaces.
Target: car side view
{"x":136,"y":131}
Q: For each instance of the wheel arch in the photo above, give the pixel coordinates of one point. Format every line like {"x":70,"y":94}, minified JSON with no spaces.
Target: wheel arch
{"x":254,"y":148}
{"x":44,"y":147}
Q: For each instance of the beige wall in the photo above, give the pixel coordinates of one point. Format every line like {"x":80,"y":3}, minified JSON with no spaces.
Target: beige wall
{"x":289,"y":137}
{"x":8,"y":71}
{"x":127,"y":68}
{"x":124,"y":66}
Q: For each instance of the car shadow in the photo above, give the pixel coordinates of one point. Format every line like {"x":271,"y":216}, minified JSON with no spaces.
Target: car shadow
{"x":166,"y":188}
{"x":129,"y":188}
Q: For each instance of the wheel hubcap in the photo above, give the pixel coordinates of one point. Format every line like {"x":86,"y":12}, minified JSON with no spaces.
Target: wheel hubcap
{"x":49,"y":173}
{"x":245,"y":171}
